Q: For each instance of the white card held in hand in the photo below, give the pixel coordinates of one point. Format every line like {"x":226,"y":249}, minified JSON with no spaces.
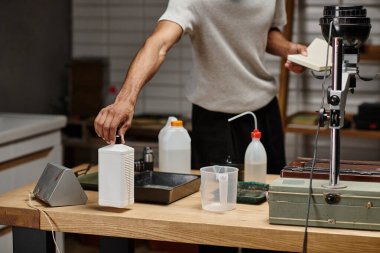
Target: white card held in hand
{"x":316,"y":56}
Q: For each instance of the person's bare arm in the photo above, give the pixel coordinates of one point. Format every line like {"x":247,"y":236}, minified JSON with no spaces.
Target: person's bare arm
{"x":118,"y":116}
{"x":278,"y":45}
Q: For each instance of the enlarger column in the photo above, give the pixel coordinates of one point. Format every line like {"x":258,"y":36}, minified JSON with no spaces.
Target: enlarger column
{"x":335,"y":119}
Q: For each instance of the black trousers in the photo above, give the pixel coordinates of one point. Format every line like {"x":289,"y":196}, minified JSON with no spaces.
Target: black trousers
{"x":214,"y":138}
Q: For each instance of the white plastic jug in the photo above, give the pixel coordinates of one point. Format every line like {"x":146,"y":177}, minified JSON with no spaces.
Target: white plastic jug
{"x":160,"y":140}
{"x":116,"y":175}
{"x":175,"y":149}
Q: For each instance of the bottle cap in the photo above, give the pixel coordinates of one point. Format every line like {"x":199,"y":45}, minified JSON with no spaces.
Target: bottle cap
{"x":256,"y":134}
{"x":177,"y":123}
{"x":118,"y":139}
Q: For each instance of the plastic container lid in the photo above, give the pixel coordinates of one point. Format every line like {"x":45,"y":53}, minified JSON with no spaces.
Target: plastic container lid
{"x":256,"y":134}
{"x":118,"y":139}
{"x":177,"y":123}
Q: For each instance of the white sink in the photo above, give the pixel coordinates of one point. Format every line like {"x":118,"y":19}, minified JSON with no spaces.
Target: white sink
{"x":16,"y":126}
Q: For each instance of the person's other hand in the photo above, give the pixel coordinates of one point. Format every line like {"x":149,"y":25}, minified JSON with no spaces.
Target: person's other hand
{"x":296,"y":49}
{"x":115,"y":118}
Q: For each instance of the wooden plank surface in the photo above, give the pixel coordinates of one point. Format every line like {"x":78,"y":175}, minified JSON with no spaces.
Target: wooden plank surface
{"x":14,"y":210}
{"x":184,"y":221}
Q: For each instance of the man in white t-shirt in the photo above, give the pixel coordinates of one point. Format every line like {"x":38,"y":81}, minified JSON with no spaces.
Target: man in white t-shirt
{"x":229,"y":40}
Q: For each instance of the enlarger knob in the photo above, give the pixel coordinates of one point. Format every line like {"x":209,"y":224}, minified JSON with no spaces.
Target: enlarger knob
{"x":334,"y":100}
{"x":332,"y":198}
{"x":322,"y":117}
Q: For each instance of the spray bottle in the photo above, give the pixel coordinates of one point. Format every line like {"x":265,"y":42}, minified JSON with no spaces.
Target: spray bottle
{"x":255,"y":159}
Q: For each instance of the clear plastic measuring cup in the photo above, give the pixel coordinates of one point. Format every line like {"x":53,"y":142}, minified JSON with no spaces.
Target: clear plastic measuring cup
{"x":219,"y":188}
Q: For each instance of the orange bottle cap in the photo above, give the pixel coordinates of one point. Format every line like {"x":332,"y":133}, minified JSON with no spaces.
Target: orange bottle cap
{"x":177,"y":123}
{"x":256,"y":134}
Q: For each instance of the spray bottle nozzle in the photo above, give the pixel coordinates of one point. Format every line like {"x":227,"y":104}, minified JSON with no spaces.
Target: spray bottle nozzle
{"x":242,"y":114}
{"x":255,"y":133}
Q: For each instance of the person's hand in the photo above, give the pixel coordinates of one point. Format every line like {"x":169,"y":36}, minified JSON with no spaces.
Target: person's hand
{"x":115,"y":118}
{"x":296,"y":49}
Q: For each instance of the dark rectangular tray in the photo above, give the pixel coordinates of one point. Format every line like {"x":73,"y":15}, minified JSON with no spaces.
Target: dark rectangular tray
{"x":154,"y":187}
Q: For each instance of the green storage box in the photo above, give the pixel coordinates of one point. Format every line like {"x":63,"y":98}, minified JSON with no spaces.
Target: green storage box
{"x":355,"y":207}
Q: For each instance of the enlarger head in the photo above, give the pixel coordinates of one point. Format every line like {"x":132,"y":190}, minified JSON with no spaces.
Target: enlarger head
{"x":348,"y":22}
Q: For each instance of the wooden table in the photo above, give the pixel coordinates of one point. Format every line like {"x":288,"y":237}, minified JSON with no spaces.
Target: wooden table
{"x":182,"y":221}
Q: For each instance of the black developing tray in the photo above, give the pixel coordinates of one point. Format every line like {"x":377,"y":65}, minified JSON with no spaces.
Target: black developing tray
{"x":162,"y":187}
{"x":154,"y":187}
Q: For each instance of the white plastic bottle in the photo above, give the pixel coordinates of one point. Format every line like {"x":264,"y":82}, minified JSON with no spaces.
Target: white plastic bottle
{"x":160,"y":141}
{"x":255,"y":160}
{"x":116,"y":175}
{"x":176,"y":149}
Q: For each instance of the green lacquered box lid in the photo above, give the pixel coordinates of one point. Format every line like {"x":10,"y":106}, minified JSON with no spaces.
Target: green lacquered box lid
{"x":357,"y":206}
{"x":299,"y":189}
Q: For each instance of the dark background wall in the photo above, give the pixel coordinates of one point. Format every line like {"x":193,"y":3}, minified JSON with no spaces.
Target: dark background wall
{"x":34,"y":53}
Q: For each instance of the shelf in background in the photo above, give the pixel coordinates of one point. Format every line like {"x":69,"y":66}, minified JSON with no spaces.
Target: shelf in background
{"x":305,"y":123}
{"x":370,"y":53}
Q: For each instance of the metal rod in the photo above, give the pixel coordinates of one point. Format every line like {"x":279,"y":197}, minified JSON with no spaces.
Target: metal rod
{"x":334,"y":157}
{"x":334,"y":115}
{"x":337,"y":63}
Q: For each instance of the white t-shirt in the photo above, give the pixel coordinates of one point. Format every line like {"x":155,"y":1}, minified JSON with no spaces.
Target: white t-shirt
{"x":229,"y":39}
